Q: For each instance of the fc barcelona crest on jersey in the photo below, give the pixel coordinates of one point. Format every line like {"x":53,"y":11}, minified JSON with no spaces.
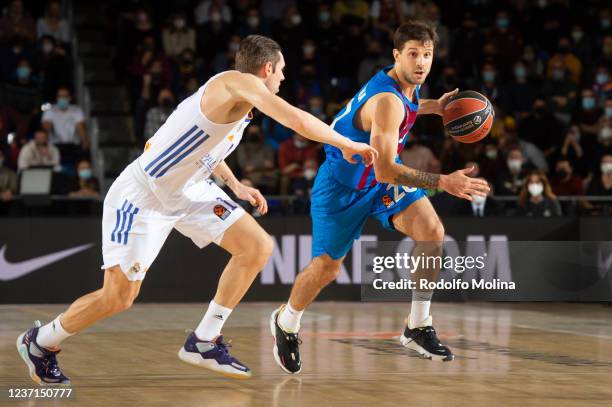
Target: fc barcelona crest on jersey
{"x":221,"y":211}
{"x":387,"y":201}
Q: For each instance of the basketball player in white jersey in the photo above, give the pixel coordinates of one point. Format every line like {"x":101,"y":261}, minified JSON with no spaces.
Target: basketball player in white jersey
{"x":168,"y":187}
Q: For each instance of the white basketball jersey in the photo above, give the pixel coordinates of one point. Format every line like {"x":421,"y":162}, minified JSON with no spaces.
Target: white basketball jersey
{"x":187,"y":147}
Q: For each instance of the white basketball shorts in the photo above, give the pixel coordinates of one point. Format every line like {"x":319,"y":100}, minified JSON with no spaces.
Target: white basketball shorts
{"x":135,"y":224}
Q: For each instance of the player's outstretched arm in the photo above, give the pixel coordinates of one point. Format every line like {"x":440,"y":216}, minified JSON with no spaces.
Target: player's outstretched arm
{"x":249,"y":88}
{"x":255,"y":198}
{"x":386,"y":113}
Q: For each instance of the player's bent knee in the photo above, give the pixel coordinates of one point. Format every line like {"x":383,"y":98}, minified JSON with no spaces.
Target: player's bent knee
{"x":328,"y":270}
{"x":118,"y":293}
{"x":261,"y":250}
{"x":434,"y":232}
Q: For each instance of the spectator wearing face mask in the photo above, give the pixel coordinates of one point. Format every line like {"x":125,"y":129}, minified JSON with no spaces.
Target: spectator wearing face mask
{"x":602,"y":184}
{"x":157,"y":115}
{"x":559,"y":91}
{"x":39,"y":152}
{"x":290,"y":33}
{"x":212,"y":36}
{"x":572,"y":149}
{"x":588,"y":120}
{"x":581,"y":43}
{"x":23,"y":95}
{"x":178,"y":36}
{"x":256,"y":161}
{"x":479,"y":207}
{"x":490,"y":162}
{"x":488,"y":83}
{"x":564,"y":182}
{"x":252,"y":24}
{"x":520,"y":93}
{"x":565,"y":57}
{"x":55,"y":67}
{"x":325,"y":33}
{"x":292,"y":154}
{"x":65,"y":122}
{"x":202,"y":11}
{"x":302,"y":188}
{"x":8,"y":181}
{"x":602,"y":84}
{"x":541,"y":128}
{"x":86,"y":184}
{"x":53,"y":24}
{"x":507,"y":40}
{"x":537,"y":198}
{"x":511,"y":179}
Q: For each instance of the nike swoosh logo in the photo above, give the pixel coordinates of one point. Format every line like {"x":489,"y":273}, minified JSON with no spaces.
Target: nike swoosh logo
{"x":11,"y":271}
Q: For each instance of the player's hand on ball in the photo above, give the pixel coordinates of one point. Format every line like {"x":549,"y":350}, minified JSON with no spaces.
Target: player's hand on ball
{"x":253,"y":196}
{"x":368,"y":153}
{"x":462,"y":186}
{"x":443,"y":100}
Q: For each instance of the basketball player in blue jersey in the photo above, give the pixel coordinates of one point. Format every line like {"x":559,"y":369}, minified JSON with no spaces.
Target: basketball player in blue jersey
{"x":345,"y":195}
{"x":169,"y":187}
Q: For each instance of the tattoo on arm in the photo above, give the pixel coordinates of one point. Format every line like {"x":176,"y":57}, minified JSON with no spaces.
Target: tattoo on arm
{"x":418,"y":178}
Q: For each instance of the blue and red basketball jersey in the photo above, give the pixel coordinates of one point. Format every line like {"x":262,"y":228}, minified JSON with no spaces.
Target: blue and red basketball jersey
{"x":358,"y":176}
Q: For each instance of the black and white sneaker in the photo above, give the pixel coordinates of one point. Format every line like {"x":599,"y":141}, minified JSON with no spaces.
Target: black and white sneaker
{"x":424,"y":340}
{"x":286,"y":346}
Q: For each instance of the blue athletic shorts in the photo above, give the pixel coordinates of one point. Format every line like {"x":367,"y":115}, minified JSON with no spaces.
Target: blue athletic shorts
{"x":339,"y":212}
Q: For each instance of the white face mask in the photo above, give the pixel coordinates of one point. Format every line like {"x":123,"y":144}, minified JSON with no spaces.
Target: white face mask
{"x":310,"y":173}
{"x":479,"y":200}
{"x":515,"y":165}
{"x":605,"y":134}
{"x":253,"y":21}
{"x":535,"y":189}
{"x":606,"y":168}
{"x":491,"y":154}
{"x":215,"y":17}
{"x":296,"y":19}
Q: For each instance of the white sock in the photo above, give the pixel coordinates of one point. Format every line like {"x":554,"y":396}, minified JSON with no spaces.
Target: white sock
{"x":212,"y":323}
{"x":289,"y":319}
{"x":419,"y":310}
{"x":51,"y":335}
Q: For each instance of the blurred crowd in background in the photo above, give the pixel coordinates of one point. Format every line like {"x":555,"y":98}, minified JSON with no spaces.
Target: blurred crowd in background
{"x":546,"y":66}
{"x":40,"y":125}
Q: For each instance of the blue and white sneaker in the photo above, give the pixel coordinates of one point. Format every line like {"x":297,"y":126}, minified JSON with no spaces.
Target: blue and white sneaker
{"x":213,"y":355}
{"x":41,"y":362}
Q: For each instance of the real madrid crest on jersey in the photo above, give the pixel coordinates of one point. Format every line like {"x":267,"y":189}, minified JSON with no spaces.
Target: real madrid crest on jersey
{"x":221,"y":211}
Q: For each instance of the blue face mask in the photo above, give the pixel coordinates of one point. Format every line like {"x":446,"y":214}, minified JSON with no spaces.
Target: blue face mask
{"x":503,"y":23}
{"x":520,"y":72}
{"x":601,"y":78}
{"x":488,"y":76}
{"x":85,"y":173}
{"x":23,"y":72}
{"x":63,"y":102}
{"x":588,"y":103}
{"x":609,"y":112}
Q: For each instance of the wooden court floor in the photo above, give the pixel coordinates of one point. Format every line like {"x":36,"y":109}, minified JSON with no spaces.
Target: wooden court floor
{"x":529,"y":354}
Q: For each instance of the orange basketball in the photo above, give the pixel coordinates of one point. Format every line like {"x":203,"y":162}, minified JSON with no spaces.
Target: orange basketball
{"x":468,"y":116}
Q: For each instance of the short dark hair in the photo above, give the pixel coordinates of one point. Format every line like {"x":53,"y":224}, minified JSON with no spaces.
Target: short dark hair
{"x":255,"y":51}
{"x":416,"y":30}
